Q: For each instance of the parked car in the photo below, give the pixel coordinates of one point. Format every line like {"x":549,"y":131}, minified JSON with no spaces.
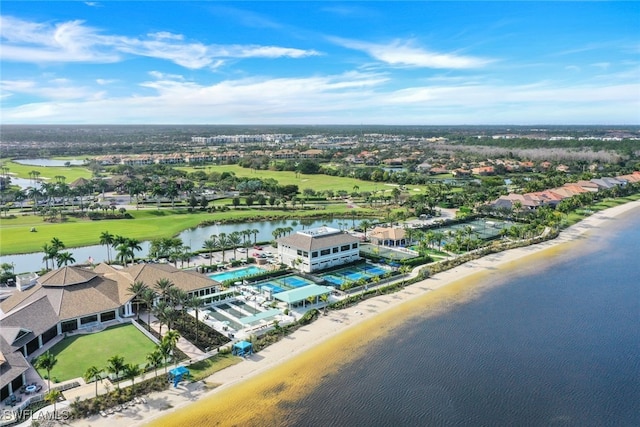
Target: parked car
{"x":257,"y":247}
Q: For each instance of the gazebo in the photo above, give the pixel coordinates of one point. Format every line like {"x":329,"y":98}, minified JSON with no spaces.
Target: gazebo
{"x":242,"y":348}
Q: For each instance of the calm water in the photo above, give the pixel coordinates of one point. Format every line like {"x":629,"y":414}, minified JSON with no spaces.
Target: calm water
{"x":556,"y":344}
{"x":50,"y":162}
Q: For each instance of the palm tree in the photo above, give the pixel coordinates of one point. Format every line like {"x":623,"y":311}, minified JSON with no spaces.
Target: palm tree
{"x":255,"y":233}
{"x":46,"y":361}
{"x":136,"y":290}
{"x":52,"y":397}
{"x":65,"y":258}
{"x":235,"y":240}
{"x":154,"y":359}
{"x":164,"y":349}
{"x":171,"y":338}
{"x":148,"y":296}
{"x":164,"y":286}
{"x":133,"y":245}
{"x":106,"y":239}
{"x":210,"y":245}
{"x":57,"y":243}
{"x":223,"y":242}
{"x":365,"y":224}
{"x":131,"y":371}
{"x":196,"y":304}
{"x":115,"y":366}
{"x":124,"y":253}
{"x":160,"y":311}
{"x":93,"y":374}
{"x":50,"y":253}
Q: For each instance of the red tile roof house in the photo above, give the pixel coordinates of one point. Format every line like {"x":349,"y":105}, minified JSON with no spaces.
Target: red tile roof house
{"x":71,"y":299}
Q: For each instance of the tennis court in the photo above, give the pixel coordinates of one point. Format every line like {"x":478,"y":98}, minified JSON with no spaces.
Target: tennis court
{"x":353,"y":274}
{"x":283,"y":284}
{"x":394,"y":254}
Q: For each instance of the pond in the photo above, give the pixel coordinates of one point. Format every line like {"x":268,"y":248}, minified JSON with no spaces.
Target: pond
{"x":193,"y":238}
{"x":49,"y":162}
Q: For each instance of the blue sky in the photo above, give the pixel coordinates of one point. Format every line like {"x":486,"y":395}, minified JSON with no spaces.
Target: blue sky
{"x":300,"y":62}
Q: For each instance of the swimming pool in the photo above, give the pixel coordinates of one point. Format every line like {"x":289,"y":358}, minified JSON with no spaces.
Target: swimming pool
{"x":236,"y":274}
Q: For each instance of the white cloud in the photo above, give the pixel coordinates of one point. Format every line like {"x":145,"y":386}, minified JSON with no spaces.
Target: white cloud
{"x":353,"y":97}
{"x":404,"y":54}
{"x":73,"y":41}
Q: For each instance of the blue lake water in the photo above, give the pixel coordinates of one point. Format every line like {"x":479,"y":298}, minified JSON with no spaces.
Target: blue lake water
{"x":555,"y":343}
{"x":50,"y":162}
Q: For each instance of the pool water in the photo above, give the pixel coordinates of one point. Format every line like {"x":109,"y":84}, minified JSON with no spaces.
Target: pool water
{"x":236,"y":274}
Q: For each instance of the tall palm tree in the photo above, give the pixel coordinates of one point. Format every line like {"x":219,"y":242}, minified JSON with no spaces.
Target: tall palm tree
{"x":223,"y":242}
{"x":52,"y":397}
{"x":164,"y":348}
{"x":115,"y":365}
{"x":50,"y":253}
{"x":255,"y":233}
{"x":106,"y":239}
{"x":160,"y":310}
{"x":131,"y":371}
{"x":154,"y":359}
{"x":124,"y":253}
{"x":196,"y":304}
{"x":210,"y":245}
{"x":133,"y":245}
{"x":148,"y":296}
{"x":57,"y":243}
{"x":93,"y":374}
{"x":171,"y":338}
{"x":235,"y":240}
{"x":46,"y":361}
{"x":164,"y":286}
{"x":136,"y":289}
{"x":65,"y":258}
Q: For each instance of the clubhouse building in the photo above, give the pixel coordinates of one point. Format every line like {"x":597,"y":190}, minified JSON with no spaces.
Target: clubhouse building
{"x":318,"y":249}
{"x":72,"y":299}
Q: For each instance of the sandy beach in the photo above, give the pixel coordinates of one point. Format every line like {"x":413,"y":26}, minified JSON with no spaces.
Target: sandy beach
{"x":375,"y":317}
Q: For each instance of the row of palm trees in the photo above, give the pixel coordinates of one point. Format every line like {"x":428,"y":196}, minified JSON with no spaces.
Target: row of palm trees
{"x":53,"y":252}
{"x":165,"y":301}
{"x":124,"y":246}
{"x":233,"y":240}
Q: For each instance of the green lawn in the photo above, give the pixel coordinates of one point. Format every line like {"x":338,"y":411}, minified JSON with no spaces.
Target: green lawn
{"x":317,"y":182}
{"x":76,"y":354}
{"x":204,"y":368}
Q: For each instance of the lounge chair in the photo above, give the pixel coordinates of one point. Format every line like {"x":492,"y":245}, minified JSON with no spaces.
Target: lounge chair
{"x":137,"y":399}
{"x":118,"y":408}
{"x":38,"y":388}
{"x":143,"y":400}
{"x":104,"y":414}
{"x":110,"y":411}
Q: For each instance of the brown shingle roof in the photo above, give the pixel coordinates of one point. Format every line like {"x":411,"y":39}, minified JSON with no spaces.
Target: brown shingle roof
{"x":312,"y":243}
{"x":66,"y":276}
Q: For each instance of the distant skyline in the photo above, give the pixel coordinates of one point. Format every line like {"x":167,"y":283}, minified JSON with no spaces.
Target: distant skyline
{"x":300,"y":62}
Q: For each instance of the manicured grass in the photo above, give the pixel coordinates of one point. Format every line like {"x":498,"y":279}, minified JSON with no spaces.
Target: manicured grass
{"x":317,"y":182}
{"x":204,"y":368}
{"x":76,"y":354}
{"x":16,"y":236}
{"x":47,"y":173}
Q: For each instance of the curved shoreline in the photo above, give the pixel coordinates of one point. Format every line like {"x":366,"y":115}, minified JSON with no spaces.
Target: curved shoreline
{"x":338,"y":323}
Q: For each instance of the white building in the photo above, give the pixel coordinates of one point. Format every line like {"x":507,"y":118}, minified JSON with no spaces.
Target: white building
{"x":318,"y":249}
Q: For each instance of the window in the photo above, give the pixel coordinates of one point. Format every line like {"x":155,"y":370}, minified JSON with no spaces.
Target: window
{"x":344,"y":248}
{"x":325,"y":252}
{"x":354,"y":246}
{"x":89,"y":319}
{"x":336,"y":250}
{"x":305,"y":254}
{"x":299,"y":252}
{"x":314,"y":254}
{"x":107,"y":316}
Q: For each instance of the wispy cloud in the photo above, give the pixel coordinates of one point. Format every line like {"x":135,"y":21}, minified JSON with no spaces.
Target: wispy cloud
{"x":73,"y":41}
{"x":405,"y":54}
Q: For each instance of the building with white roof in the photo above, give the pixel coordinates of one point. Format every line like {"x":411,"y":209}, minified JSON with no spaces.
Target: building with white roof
{"x":318,"y":249}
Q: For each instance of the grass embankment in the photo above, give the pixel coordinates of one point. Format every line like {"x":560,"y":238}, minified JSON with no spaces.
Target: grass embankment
{"x":16,"y":237}
{"x":582,"y":213}
{"x":204,"y":368}
{"x":76,"y":354}
{"x":47,"y":173}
